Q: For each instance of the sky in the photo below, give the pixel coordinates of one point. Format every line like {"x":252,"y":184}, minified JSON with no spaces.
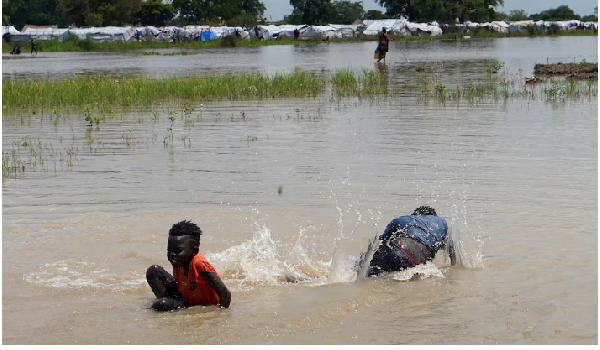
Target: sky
{"x":276,"y":9}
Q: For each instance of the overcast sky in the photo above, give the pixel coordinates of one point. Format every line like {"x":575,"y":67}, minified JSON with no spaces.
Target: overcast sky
{"x":276,"y":9}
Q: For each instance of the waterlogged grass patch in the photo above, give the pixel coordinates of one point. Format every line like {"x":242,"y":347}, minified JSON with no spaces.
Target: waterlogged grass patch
{"x":370,"y":82}
{"x":27,"y":155}
{"x":143,"y":91}
{"x":180,"y":53}
{"x":427,"y":85}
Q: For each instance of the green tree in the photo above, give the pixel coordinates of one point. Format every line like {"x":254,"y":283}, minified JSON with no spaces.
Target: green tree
{"x":397,"y":8}
{"x":243,"y":20}
{"x":591,"y":18}
{"x":431,"y":10}
{"x":201,"y":11}
{"x":517,"y":15}
{"x":113,"y":12}
{"x":348,"y":12}
{"x":500,"y":16}
{"x":155,"y":13}
{"x":94,"y":20}
{"x":35,"y":12}
{"x":313,"y":12}
{"x":443,"y":11}
{"x":561,"y":13}
{"x":375,"y":14}
{"x":76,"y":11}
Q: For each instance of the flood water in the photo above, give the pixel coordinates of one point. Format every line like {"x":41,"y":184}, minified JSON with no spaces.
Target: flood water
{"x":516,"y":180}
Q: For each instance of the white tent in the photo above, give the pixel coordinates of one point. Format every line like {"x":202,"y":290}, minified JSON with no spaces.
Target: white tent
{"x":433,"y":30}
{"x":326,"y":31}
{"x":499,"y":26}
{"x":47,"y":34}
{"x":148,"y":30}
{"x":523,"y":23}
{"x":287,"y":30}
{"x":345,"y":30}
{"x":9,"y":29}
{"x":391,"y":25}
{"x":190,"y":33}
{"x":225,"y":31}
{"x":103,"y":34}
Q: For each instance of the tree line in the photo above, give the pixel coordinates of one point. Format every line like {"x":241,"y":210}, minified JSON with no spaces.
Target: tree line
{"x":561,"y":13}
{"x":442,"y":11}
{"x":95,"y":13}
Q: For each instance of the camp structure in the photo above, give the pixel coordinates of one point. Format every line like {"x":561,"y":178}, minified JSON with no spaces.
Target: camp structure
{"x":39,"y":33}
{"x":402,"y":27}
{"x":104,"y":34}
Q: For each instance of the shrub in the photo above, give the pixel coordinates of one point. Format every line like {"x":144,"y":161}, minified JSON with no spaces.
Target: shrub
{"x":229,"y":41}
{"x":553,"y":29}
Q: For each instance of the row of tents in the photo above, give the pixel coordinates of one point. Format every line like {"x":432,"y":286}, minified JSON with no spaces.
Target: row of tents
{"x":269,"y":32}
{"x":501,"y":26}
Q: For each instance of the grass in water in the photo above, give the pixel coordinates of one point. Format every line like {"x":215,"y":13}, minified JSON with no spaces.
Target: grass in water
{"x":180,"y":53}
{"x":347,"y":83}
{"x":141,"y":90}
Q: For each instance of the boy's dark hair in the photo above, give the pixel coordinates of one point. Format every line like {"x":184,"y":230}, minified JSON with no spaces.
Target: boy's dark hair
{"x":186,"y":228}
{"x":424,"y":210}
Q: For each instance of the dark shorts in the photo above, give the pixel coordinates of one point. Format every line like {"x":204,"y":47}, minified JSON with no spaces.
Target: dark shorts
{"x":162,"y":277}
{"x":388,"y":258}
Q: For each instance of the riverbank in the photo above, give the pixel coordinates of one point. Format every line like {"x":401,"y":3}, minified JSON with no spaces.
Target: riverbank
{"x":76,"y":45}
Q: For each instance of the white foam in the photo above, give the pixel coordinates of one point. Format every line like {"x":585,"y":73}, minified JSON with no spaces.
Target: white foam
{"x":263,"y":261}
{"x":70,"y":273}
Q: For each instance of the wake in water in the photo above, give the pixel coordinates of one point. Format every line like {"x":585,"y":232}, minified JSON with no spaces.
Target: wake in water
{"x":263,"y":261}
{"x":73,"y":273}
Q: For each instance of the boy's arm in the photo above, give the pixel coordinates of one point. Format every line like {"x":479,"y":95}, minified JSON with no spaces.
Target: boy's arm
{"x":215,"y":282}
{"x":451,"y":252}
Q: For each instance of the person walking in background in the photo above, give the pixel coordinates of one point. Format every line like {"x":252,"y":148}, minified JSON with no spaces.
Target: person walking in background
{"x":383,"y":46}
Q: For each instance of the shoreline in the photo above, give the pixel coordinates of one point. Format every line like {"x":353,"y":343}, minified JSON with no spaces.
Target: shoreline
{"x":90,"y":46}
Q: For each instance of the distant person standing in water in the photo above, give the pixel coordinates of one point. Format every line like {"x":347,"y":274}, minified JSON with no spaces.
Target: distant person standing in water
{"x":384,"y":42}
{"x":194,"y":282}
{"x":411,"y":240}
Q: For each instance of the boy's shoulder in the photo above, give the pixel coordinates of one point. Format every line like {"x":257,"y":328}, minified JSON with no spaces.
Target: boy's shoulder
{"x":200,"y":264}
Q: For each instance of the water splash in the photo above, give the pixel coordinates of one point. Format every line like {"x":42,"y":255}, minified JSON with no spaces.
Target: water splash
{"x":258,"y":262}
{"x":429,"y":269}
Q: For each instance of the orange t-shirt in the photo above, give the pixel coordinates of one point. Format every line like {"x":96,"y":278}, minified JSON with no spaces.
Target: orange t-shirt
{"x":194,"y":289}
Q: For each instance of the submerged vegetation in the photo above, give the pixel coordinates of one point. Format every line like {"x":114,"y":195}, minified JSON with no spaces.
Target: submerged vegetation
{"x":179,"y":53}
{"x":142,"y":91}
{"x":423,"y":82}
{"x":176,"y":105}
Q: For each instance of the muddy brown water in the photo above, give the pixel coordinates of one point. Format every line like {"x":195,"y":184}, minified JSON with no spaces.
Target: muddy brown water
{"x":516,"y":180}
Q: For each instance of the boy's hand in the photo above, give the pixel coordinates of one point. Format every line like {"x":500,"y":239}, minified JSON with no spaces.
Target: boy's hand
{"x":215,"y":282}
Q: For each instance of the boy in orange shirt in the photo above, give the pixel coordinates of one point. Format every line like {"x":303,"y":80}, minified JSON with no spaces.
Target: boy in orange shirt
{"x":194,"y":282}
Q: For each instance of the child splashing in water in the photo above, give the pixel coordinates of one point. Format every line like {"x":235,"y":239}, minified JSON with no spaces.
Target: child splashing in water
{"x":409,"y":241}
{"x":194,"y":282}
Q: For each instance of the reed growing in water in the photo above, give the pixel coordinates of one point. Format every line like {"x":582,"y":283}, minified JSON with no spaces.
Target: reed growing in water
{"x":137,"y":91}
{"x":142,"y":90}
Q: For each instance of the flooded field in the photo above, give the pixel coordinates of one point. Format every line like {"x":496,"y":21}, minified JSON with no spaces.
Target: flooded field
{"x":514,"y":170}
